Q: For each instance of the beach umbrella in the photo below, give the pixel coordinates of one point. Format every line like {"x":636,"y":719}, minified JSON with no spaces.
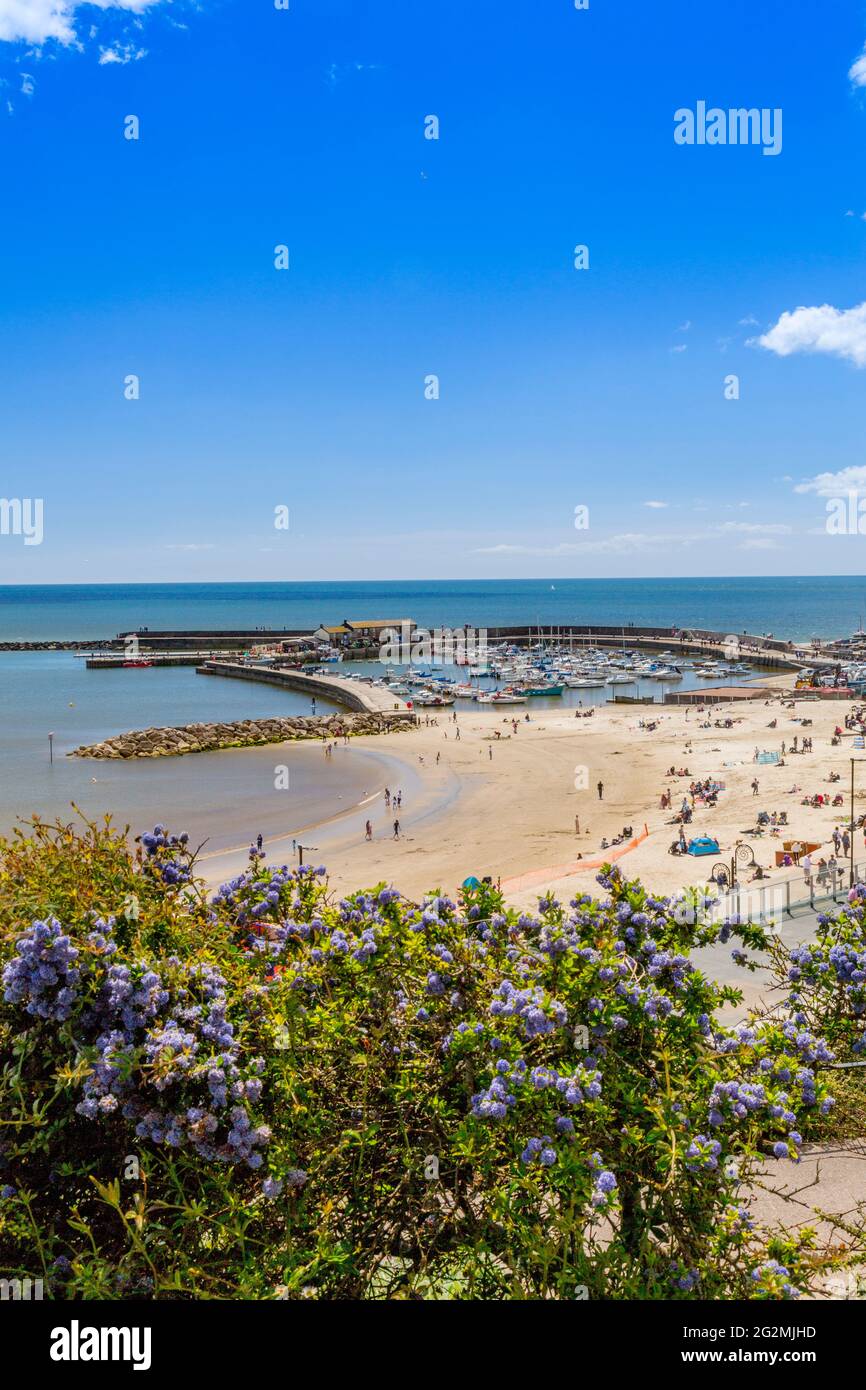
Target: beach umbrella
{"x":471,"y":882}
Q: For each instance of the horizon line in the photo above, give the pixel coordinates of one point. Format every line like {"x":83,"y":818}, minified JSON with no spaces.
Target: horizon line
{"x":432,"y":579}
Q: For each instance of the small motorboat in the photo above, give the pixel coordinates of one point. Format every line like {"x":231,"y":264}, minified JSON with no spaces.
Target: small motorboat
{"x":502,"y":697}
{"x":542,"y":689}
{"x":434,"y":699}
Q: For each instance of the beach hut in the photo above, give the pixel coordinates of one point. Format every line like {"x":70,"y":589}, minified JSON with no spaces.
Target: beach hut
{"x":703,"y":844}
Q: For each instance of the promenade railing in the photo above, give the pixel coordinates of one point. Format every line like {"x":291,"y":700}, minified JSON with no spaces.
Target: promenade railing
{"x":763,"y":902}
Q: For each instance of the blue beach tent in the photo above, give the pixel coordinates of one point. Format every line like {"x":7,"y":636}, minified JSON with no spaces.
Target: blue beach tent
{"x":703,"y":844}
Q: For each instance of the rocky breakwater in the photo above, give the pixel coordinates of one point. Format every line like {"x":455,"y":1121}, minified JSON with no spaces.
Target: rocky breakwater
{"x":245,"y":733}
{"x":89,"y":646}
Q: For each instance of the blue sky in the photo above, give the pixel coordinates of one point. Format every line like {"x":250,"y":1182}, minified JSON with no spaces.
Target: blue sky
{"x":305,"y":388}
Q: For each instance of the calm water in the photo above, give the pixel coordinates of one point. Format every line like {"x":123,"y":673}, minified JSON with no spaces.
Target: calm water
{"x":42,"y":692}
{"x":789,"y":607}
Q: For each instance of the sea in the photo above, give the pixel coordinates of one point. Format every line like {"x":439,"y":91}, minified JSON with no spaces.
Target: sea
{"x":796,"y":608}
{"x":210,"y":795}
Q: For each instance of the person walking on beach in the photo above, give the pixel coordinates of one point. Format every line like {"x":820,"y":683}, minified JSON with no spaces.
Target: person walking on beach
{"x":755,"y":787}
{"x":387,"y":798}
{"x":396,"y":830}
{"x":577,"y":825}
{"x":369,"y":830}
{"x":601,"y":791}
{"x":837,"y":839}
{"x":457,"y":732}
{"x":846,"y":842}
{"x":438,"y":756}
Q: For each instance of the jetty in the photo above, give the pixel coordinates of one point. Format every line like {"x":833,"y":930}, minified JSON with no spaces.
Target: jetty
{"x":101,"y":662}
{"x":353,"y":695}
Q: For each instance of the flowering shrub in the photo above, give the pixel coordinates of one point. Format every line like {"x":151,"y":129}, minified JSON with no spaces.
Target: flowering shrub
{"x":268,"y":1092}
{"x":824,"y":984}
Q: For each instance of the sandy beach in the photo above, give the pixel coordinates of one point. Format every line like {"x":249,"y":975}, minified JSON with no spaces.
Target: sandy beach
{"x":502,"y":800}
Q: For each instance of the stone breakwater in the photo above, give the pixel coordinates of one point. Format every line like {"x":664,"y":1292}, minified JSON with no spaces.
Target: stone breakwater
{"x":245,"y":733}
{"x":49,"y":646}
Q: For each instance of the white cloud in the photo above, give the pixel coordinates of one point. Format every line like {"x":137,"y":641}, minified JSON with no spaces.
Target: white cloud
{"x":655,"y":505}
{"x":37,"y":21}
{"x":680,"y":347}
{"x":626,"y":543}
{"x":857,"y":71}
{"x":28,"y":86}
{"x":839,"y":332}
{"x":190,"y":547}
{"x":562,"y":549}
{"x":337,"y":71}
{"x":631,"y":542}
{"x":766,"y":528}
{"x":122,"y":53}
{"x":750,"y":536}
{"x":851,"y":479}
